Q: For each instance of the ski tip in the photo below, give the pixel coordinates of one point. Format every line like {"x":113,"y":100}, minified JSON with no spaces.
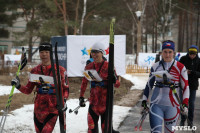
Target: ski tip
{"x":135,"y":128}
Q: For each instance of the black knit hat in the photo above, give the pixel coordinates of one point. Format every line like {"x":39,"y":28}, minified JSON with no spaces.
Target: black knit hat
{"x":45,"y":46}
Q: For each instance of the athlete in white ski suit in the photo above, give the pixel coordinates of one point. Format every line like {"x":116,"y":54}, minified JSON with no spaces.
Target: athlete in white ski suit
{"x":164,"y":105}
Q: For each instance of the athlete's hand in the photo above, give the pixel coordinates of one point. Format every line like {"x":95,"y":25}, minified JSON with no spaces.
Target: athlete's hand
{"x":189,"y":71}
{"x":144,"y":106}
{"x":16,"y":82}
{"x":117,"y":84}
{"x":185,"y":110}
{"x":82,"y":101}
{"x":65,"y":105}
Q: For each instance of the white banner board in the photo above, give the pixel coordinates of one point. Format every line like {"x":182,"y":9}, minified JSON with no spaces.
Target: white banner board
{"x":148,"y":59}
{"x":11,"y":60}
{"x":79,"y":47}
{"x":9,"y":57}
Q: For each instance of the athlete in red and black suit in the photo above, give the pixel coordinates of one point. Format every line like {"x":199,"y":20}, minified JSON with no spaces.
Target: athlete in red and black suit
{"x":98,"y":90}
{"x":45,"y":104}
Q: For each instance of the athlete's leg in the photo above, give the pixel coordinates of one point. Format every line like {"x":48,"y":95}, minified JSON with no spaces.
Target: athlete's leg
{"x":156,"y":118}
{"x":50,"y":124}
{"x":45,"y":125}
{"x":92,"y":121}
{"x":103,"y":122}
{"x":191,"y":105}
{"x":171,"y":118}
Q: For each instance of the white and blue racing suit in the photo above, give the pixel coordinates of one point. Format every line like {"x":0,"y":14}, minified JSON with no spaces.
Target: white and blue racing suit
{"x":164,"y":105}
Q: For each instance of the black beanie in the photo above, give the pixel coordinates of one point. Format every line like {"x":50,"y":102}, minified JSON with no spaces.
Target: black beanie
{"x":45,"y":46}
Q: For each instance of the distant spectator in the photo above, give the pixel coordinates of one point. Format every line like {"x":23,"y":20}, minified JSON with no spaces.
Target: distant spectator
{"x":192,"y":64}
{"x":158,"y":57}
{"x":177,"y":56}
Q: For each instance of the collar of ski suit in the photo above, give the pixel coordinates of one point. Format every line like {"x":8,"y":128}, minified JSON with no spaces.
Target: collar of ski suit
{"x":167,"y":65}
{"x":98,"y":63}
{"x":46,"y":67}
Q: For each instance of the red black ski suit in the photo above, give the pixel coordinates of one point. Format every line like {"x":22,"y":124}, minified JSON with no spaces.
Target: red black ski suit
{"x":98,"y":95}
{"x":45,"y":111}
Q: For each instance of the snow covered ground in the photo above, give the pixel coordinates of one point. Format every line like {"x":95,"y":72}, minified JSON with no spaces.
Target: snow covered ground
{"x":21,"y":120}
{"x":5,"y":90}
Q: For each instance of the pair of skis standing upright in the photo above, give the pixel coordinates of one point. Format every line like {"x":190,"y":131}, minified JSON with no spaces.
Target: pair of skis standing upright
{"x":57,"y":83}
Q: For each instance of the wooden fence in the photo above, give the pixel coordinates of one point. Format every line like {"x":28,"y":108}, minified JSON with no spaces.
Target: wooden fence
{"x":130,"y":69}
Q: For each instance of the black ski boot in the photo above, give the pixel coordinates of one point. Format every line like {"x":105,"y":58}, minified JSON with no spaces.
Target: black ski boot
{"x":114,"y":131}
{"x":182,"y":123}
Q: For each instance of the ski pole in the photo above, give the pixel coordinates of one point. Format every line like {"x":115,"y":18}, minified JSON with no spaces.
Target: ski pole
{"x":181,"y":106}
{"x":141,"y":120}
{"x":3,"y":118}
{"x":173,"y":87}
{"x":76,"y":109}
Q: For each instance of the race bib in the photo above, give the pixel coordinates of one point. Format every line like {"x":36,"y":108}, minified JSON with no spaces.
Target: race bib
{"x":159,"y":74}
{"x":92,"y":75}
{"x":35,"y":78}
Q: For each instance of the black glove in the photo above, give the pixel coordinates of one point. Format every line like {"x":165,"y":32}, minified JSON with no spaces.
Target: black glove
{"x":144,"y":104}
{"x":16,"y":82}
{"x":82,"y":101}
{"x":65,"y":105}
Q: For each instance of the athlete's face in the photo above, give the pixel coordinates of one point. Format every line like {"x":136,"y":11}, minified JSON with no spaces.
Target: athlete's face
{"x":167,"y":55}
{"x":96,"y":55}
{"x":45,"y":57}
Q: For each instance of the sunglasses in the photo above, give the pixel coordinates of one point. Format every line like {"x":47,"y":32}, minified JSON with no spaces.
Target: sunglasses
{"x":44,"y":47}
{"x":192,"y":53}
{"x":95,"y":51}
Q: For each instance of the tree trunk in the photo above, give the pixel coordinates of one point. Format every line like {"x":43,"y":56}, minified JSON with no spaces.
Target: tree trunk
{"x":134,"y":46}
{"x":153,"y":46}
{"x":30,"y":46}
{"x":187,"y":31}
{"x":191,"y":23}
{"x":65,"y":17}
{"x":184,"y":31}
{"x":76,"y":17}
{"x":156,"y":36}
{"x":146,"y":39}
{"x":180,"y":32}
{"x":83,"y":16}
{"x":64,"y":13}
